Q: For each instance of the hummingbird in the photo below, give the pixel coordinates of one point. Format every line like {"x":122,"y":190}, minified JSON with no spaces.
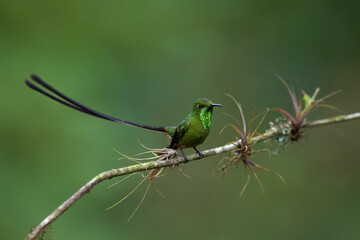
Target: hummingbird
{"x":190,"y":133}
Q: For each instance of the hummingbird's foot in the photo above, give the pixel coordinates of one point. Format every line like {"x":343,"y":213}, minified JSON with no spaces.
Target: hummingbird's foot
{"x":198,"y":152}
{"x":184,"y":156}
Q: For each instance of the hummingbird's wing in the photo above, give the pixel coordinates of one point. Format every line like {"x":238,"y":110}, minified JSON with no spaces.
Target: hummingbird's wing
{"x":179,"y":132}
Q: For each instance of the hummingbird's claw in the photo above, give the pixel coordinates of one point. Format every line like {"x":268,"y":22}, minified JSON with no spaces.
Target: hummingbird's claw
{"x":184,"y":156}
{"x":199,"y":153}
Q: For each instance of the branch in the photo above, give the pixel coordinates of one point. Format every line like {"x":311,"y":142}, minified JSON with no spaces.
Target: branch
{"x":273,"y":132}
{"x":337,"y":119}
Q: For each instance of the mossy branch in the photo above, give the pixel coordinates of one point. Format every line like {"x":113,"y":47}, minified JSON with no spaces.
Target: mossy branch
{"x":273,"y":132}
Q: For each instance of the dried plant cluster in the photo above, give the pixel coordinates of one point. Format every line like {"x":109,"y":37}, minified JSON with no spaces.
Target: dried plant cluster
{"x":302,"y":107}
{"x":244,"y":150}
{"x":289,"y":128}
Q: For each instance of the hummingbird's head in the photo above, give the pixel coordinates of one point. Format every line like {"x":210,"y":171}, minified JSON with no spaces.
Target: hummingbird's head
{"x":203,"y":109}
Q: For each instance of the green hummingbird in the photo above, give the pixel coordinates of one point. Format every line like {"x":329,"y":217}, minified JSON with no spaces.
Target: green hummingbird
{"x":190,"y":133}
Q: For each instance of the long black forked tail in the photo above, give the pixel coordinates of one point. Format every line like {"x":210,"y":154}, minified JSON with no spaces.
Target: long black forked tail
{"x":63,"y":99}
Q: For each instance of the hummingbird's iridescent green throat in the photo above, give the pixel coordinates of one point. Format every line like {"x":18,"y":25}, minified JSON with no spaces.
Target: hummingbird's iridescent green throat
{"x":191,"y":132}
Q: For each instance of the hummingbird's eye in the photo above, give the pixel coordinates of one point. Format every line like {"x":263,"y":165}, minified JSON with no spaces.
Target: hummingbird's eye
{"x":200,"y":106}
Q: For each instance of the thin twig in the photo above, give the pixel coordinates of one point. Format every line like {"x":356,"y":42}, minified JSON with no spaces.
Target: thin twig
{"x":337,"y":119}
{"x":36,"y":231}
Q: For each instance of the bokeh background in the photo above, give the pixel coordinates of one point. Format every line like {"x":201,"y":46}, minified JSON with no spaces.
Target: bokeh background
{"x":147,"y":61}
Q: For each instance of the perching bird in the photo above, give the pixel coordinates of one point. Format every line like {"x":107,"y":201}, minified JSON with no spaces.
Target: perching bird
{"x":190,"y":133}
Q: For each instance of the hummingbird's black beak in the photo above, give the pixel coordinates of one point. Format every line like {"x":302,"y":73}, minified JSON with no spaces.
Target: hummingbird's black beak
{"x":216,"y":105}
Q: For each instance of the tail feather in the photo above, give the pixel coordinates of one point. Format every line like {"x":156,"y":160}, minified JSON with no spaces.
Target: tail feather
{"x":65,"y":100}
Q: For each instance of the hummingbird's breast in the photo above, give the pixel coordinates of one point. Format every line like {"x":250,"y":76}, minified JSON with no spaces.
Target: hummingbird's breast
{"x":194,"y":135}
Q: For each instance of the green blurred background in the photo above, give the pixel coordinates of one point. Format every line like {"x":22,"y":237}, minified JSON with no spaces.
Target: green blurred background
{"x":147,"y":61}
